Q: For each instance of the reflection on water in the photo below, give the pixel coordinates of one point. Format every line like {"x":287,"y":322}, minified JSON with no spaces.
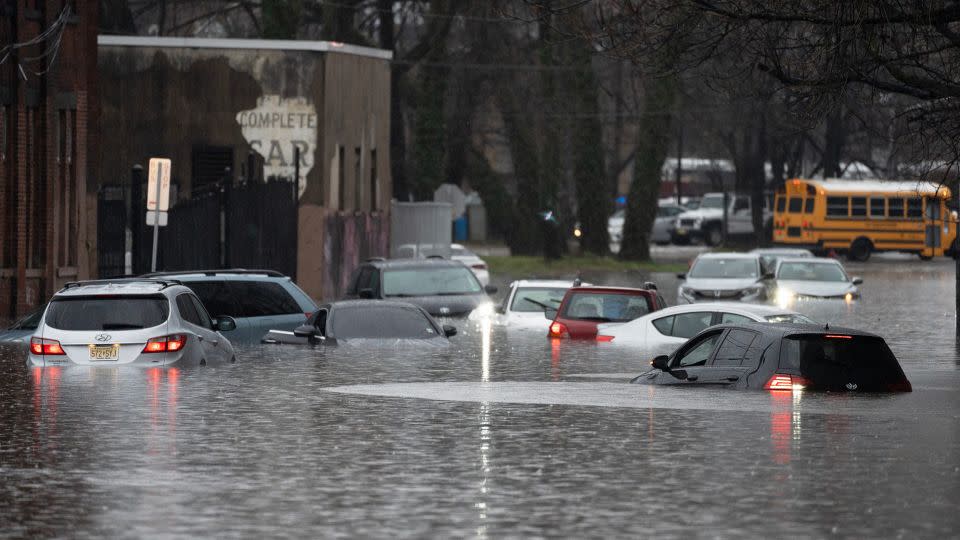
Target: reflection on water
{"x":502,"y":435}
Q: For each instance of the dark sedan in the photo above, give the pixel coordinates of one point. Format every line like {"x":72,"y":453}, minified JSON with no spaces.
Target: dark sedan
{"x":781,"y":357}
{"x":365,"y":320}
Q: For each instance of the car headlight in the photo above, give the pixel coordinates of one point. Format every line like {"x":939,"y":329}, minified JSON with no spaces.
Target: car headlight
{"x":785,"y":296}
{"x":686,"y":291}
{"x":752,"y":290}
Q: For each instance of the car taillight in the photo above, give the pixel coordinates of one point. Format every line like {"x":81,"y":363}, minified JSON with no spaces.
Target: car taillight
{"x":165,"y":344}
{"x":478,"y":266}
{"x":558,"y":330}
{"x":604,"y":338}
{"x":46,"y":347}
{"x":781,"y":381}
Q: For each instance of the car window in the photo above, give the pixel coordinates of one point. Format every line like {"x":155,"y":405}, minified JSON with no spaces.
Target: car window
{"x":217,"y":297}
{"x":808,"y":271}
{"x":688,"y":325}
{"x":734,"y":347}
{"x":734,"y":318}
{"x":202,"y":313}
{"x":724,"y":268}
{"x":664,"y":325}
{"x":262,"y":298}
{"x":107,"y":313}
{"x":536,"y":299}
{"x":381,"y":322}
{"x":698,"y":353}
{"x":320,"y":321}
{"x":836,"y":361}
{"x":426,"y":281}
{"x":605,"y":307}
{"x":188,"y":311}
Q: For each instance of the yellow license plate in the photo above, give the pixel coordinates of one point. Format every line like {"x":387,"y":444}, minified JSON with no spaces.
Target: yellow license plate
{"x":105,"y":352}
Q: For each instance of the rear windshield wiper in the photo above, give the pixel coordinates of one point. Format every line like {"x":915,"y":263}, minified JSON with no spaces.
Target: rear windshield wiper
{"x":120,"y":326}
{"x":532,"y":301}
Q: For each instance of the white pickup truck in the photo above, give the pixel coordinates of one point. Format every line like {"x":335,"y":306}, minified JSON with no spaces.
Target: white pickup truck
{"x":706,"y":222}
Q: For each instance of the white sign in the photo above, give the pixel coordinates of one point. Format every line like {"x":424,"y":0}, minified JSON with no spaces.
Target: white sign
{"x":150,"y":218}
{"x":276,"y":129}
{"x":159,"y":169}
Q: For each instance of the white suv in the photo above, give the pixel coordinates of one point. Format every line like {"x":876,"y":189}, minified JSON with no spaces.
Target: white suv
{"x":145,"y":322}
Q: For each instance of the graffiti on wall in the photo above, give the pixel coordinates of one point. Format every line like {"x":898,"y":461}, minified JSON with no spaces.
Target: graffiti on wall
{"x":276,"y":129}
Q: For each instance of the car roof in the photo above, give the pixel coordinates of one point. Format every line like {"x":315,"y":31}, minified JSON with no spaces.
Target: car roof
{"x":746,"y":307}
{"x":774,"y":251}
{"x":416,"y":263}
{"x":605,"y":289}
{"x":792,"y":329}
{"x":545,"y":283}
{"x":728,"y":255}
{"x":369,"y":303}
{"x":133,"y":286}
{"x":808,"y":260}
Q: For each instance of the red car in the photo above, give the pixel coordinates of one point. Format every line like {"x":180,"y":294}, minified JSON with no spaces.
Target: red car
{"x":583,"y":308}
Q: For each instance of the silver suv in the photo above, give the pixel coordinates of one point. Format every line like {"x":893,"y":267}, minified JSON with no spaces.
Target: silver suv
{"x":145,"y":322}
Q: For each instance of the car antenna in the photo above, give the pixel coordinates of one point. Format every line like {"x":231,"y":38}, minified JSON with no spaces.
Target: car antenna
{"x":826,"y":326}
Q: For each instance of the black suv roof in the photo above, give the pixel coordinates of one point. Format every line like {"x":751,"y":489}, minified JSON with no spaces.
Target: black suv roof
{"x":789,"y":329}
{"x":414,"y":263}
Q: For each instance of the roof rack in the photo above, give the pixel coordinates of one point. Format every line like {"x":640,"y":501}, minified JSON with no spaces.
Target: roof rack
{"x":121,"y":281}
{"x":270,"y":273}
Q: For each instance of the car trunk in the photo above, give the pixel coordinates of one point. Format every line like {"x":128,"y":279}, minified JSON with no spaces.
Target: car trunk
{"x":842,"y":362}
{"x":108,"y":347}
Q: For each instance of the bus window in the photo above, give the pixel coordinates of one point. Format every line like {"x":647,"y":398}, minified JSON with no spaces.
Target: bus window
{"x":914,"y":207}
{"x":896,"y":208}
{"x":796,"y":205}
{"x":838,"y":206}
{"x":858,"y":206}
{"x":878,"y":207}
{"x":809,"y":205}
{"x":781,"y":203}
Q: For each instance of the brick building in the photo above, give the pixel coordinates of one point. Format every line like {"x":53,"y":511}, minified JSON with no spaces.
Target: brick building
{"x":47,"y":101}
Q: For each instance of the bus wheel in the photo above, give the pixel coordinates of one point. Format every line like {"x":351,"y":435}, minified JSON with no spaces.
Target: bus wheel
{"x":860,"y":250}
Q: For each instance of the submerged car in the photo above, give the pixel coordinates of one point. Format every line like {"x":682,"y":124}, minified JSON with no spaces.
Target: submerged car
{"x":723,"y":276}
{"x":366,"y":320}
{"x":527,"y":300}
{"x":442,"y":287}
{"x":584,"y":308}
{"x":454,"y":252}
{"x":143,"y":322}
{"x":809,"y":278}
{"x":663,"y":331}
{"x":20,"y":331}
{"x":787,"y":357}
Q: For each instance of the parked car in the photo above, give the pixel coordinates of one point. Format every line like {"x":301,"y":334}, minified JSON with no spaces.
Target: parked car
{"x":661,"y":332}
{"x":706,"y":222}
{"x":258,"y":300}
{"x":723,"y":276}
{"x":364,"y":320}
{"x":524,"y":305}
{"x":776,"y":357}
{"x":769,"y":256}
{"x":145,"y":322}
{"x":807,"y":278}
{"x":20,"y":331}
{"x":659,"y":234}
{"x":442,"y":287}
{"x":456,"y":252}
{"x":584,"y":308}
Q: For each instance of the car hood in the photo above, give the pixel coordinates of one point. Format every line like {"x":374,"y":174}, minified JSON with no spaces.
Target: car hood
{"x":719,"y":284}
{"x":447,"y":306}
{"x":817,"y":288}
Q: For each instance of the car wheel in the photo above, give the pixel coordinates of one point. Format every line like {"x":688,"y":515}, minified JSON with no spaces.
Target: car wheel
{"x":713,"y":236}
{"x":860,"y":250}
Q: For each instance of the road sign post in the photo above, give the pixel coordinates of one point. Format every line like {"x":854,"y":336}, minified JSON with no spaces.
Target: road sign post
{"x":158,"y":201}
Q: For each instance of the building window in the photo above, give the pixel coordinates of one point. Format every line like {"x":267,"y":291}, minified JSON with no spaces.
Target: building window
{"x":374,"y":187}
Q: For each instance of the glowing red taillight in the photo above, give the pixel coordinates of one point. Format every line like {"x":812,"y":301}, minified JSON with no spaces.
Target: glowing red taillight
{"x":46,"y":347}
{"x":604,"y":338}
{"x":781,"y":381}
{"x":558,"y":330}
{"x":160,"y":344}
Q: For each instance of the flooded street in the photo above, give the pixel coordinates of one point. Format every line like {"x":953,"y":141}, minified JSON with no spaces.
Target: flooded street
{"x":504,"y":434}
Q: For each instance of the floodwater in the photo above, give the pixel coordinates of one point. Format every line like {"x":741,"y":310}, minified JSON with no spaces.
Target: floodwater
{"x":502,"y":435}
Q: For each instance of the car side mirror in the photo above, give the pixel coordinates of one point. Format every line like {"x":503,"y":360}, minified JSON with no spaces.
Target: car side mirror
{"x":857,"y":281}
{"x":550,"y":313}
{"x":224,"y":323}
{"x":490,"y":290}
{"x":366,"y":293}
{"x":681,"y":276}
{"x":449,"y":331}
{"x":306,"y":331}
{"x":661,"y":362}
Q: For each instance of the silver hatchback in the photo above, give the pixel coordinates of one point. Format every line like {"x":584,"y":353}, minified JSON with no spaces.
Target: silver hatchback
{"x":145,"y":322}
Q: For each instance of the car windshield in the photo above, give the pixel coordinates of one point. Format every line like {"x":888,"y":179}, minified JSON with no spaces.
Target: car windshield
{"x":712,"y":202}
{"x":605,"y":307}
{"x":724,"y":268}
{"x":804,"y":271}
{"x":838,"y":361}
{"x":425,"y":281}
{"x":790,"y":318}
{"x":106,"y":312}
{"x":531,"y":299}
{"x":381,"y":322}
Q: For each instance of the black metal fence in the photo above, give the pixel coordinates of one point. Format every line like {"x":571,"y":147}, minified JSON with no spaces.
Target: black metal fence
{"x":111,"y":230}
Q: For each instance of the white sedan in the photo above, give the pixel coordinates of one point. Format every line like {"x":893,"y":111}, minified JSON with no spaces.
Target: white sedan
{"x":661,"y":332}
{"x":527,"y":299}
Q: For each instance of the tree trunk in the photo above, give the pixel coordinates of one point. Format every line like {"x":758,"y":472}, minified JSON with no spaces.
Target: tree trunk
{"x":593,"y":196}
{"x":654,"y":141}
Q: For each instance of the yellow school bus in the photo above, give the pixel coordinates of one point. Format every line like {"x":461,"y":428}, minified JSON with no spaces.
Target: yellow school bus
{"x":858,"y":217}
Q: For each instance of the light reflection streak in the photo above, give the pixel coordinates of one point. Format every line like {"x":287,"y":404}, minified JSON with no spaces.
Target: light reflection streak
{"x":484,"y":454}
{"x":786,"y":426}
{"x":485,"y":350}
